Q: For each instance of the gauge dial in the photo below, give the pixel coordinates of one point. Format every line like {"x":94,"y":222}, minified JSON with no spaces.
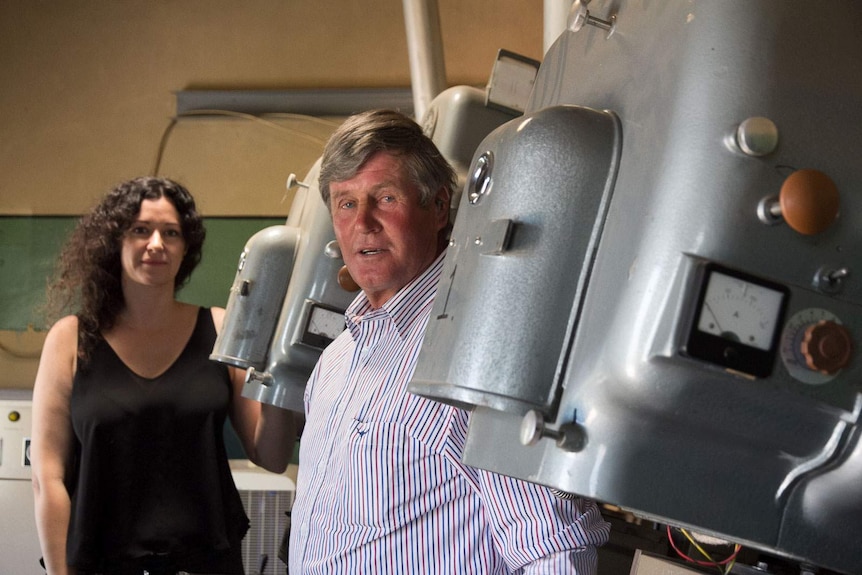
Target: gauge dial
{"x":324,"y":325}
{"x":736,"y":321}
{"x":738,"y":310}
{"x":326,"y":322}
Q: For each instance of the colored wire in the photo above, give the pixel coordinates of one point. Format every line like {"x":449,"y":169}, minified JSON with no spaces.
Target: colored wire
{"x":728,"y":562}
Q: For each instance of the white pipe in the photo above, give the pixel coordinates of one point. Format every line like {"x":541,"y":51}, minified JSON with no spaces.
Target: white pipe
{"x":425,"y":49}
{"x":555,"y":15}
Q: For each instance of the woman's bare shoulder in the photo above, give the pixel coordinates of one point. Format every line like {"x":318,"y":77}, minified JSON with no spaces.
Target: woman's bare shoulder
{"x":64,"y":328}
{"x":59,"y":354}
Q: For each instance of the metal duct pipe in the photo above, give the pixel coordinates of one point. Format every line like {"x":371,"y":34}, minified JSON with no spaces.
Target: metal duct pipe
{"x":555,"y":14}
{"x":425,"y":49}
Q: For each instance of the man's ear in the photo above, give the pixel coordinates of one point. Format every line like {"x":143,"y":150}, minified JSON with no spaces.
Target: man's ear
{"x":441,"y":200}
{"x":441,"y":206}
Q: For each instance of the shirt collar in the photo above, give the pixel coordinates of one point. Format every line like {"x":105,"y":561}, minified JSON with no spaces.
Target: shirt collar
{"x":402,"y":307}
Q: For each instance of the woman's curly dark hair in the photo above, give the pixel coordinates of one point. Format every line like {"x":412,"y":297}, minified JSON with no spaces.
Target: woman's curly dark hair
{"x":87,"y":279}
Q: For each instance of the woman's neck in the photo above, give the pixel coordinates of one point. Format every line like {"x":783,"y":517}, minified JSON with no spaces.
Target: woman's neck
{"x":148,"y":308}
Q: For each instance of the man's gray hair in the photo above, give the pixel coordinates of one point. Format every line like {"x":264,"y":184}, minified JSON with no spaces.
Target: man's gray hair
{"x":366,"y":133}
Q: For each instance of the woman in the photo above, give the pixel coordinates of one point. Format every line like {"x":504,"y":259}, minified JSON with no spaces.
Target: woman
{"x":129,"y":467}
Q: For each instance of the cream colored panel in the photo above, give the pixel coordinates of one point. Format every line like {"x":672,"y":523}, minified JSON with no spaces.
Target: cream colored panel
{"x":238,"y":165}
{"x":19,"y":358}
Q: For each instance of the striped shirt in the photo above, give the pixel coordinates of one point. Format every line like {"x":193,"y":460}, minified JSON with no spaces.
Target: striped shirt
{"x":381,"y":486}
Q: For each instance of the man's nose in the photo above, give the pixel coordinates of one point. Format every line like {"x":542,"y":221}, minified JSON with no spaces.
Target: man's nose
{"x":366,"y":218}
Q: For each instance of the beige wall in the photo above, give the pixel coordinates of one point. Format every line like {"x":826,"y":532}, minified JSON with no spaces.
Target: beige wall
{"x":88,"y":85}
{"x":88,"y":91}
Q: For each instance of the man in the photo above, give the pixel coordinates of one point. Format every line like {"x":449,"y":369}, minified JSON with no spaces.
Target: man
{"x":381,"y":486}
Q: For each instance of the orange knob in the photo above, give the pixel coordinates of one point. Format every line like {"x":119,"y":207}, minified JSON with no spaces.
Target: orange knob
{"x":809,"y":201}
{"x":826,"y":347}
{"x":346,"y":281}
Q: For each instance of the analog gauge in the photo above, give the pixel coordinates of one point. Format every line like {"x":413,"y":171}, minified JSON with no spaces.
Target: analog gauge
{"x":740,"y":311}
{"x":324,"y":325}
{"x":736,"y":321}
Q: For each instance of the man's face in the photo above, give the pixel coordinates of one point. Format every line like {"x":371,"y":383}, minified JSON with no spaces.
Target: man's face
{"x":386,"y":237}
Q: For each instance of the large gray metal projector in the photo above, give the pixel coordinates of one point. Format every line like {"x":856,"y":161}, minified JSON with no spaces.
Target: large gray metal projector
{"x":649,"y":298}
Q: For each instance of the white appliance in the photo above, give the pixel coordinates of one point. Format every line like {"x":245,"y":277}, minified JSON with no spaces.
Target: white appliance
{"x":267,"y":498}
{"x":19,"y":542}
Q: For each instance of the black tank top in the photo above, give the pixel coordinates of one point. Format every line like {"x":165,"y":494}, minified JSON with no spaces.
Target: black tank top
{"x":152,"y":475}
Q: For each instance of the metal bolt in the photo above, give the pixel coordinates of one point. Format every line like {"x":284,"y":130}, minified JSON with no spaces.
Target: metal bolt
{"x":251,"y":374}
{"x":292,"y":182}
{"x":769,"y":211}
{"x":580,"y":16}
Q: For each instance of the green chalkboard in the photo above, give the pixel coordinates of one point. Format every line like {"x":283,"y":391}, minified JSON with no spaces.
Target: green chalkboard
{"x":29,"y":246}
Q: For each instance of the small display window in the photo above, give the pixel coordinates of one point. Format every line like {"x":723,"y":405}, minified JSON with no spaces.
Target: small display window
{"x":737,"y":321}
{"x":324,"y":324}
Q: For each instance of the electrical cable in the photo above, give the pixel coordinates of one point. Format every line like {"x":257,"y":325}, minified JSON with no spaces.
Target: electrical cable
{"x":163,"y":142}
{"x":724,"y":566}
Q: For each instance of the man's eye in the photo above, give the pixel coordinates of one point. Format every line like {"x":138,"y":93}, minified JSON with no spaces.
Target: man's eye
{"x":387,"y":199}
{"x":347,"y":205}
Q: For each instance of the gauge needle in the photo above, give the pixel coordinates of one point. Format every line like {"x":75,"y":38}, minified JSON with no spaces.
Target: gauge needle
{"x":712,"y":313}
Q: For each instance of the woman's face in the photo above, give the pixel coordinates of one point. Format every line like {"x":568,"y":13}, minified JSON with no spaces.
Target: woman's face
{"x":153,"y":245}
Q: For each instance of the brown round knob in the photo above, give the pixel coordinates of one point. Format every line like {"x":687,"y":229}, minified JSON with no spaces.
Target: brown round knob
{"x":809,"y":201}
{"x":826,"y":347}
{"x":346,"y":281}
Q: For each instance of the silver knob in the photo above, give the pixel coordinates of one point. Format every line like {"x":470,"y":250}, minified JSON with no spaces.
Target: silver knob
{"x":332,"y":250}
{"x":579,"y":16}
{"x":569,"y":437}
{"x":293,"y":181}
{"x":757,"y":136}
{"x":264,"y":378}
